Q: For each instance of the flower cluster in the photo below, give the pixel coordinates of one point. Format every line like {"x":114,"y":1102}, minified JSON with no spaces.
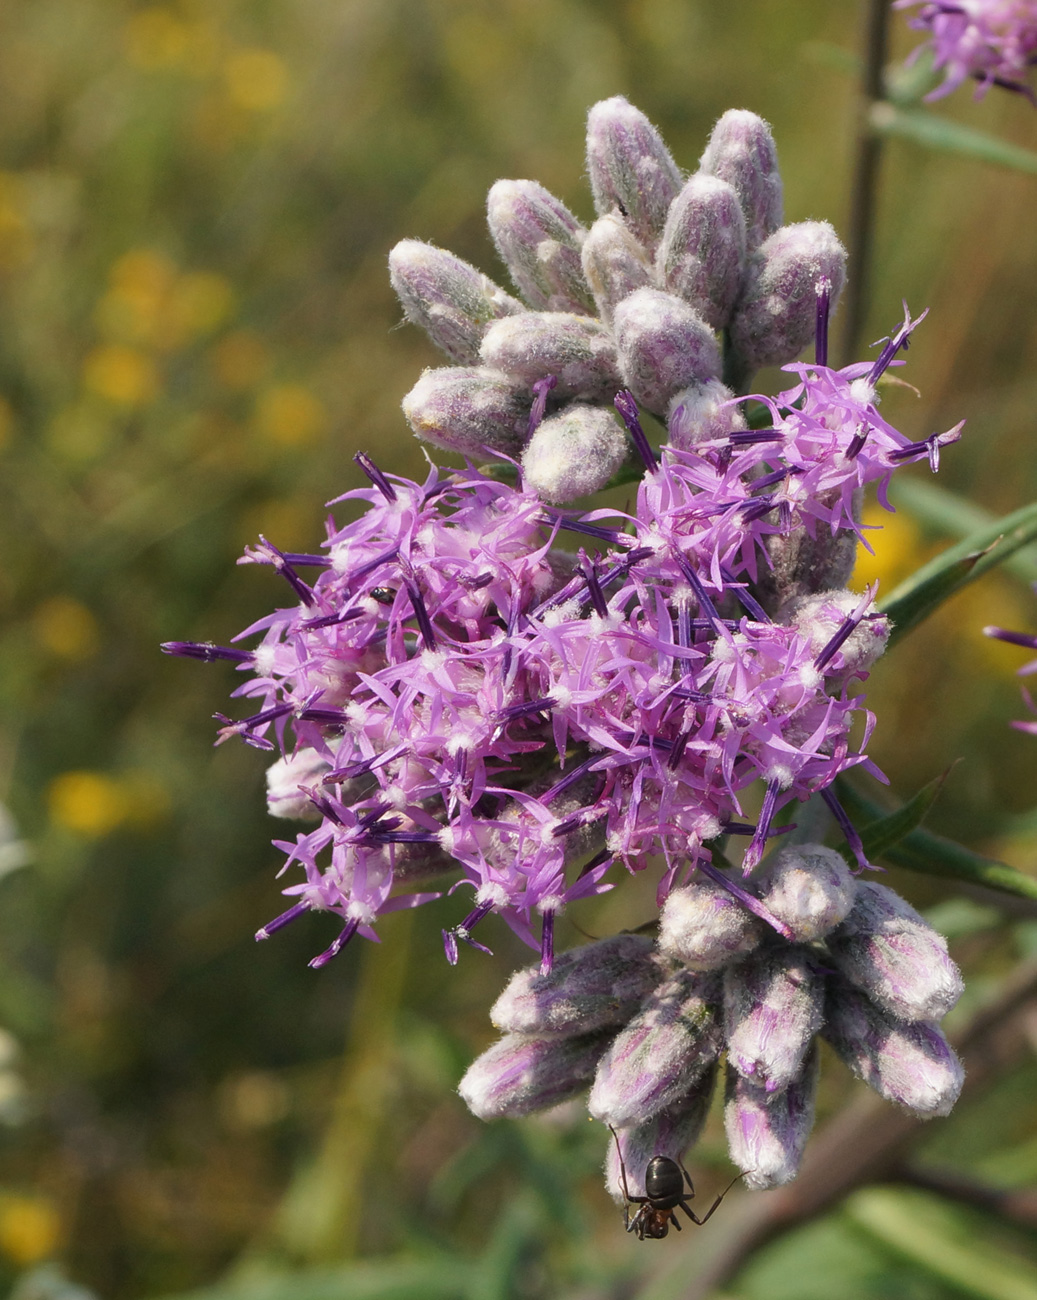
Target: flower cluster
{"x":991,"y":41}
{"x":644,"y":1025}
{"x":639,"y":301}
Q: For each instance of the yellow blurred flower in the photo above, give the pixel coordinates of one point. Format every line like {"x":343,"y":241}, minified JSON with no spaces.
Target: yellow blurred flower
{"x":198,"y":303}
{"x":80,"y":432}
{"x":256,"y":79}
{"x":91,"y":804}
{"x":141,"y":283}
{"x":240,"y":360}
{"x":30,"y":1229}
{"x":65,"y":628}
{"x":121,"y":375}
{"x":897,"y":545}
{"x":291,"y":415}
{"x":156,"y":38}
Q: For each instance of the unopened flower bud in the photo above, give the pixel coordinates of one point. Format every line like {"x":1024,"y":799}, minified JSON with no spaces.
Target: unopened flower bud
{"x":703,"y":412}
{"x":630,"y":168}
{"x":767,"y":1131}
{"x":705,"y":927}
{"x":577,"y":350}
{"x":803,"y":565}
{"x":598,"y":985}
{"x":519,"y":1075}
{"x":773,"y":1005}
{"x":539,"y":241}
{"x":661,"y":1054}
{"x":701,"y":256}
{"x":669,"y":1132}
{"x":741,"y":151}
{"x":828,"y":615}
{"x":909,"y":1063}
{"x":574,"y":453}
{"x":469,"y":409}
{"x":284,"y":798}
{"x":614,"y":263}
{"x":777,"y":315}
{"x":664,"y":346}
{"x":895,"y":956}
{"x":810,"y":888}
{"x":451,"y":301}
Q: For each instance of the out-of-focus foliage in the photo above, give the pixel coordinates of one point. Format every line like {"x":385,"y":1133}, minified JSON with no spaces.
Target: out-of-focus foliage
{"x":196,"y":333}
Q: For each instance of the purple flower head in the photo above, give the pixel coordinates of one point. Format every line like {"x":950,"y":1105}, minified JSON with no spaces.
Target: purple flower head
{"x":992,"y":41}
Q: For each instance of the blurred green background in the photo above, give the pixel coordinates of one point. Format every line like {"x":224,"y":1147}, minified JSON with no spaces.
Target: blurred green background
{"x":196,"y":333}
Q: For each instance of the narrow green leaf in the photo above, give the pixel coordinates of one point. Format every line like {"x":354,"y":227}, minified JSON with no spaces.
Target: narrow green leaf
{"x":916,"y":597}
{"x":943,"y":1241}
{"x":442,"y":1278}
{"x":933,"y":855}
{"x":955,"y":516}
{"x":880,"y":836}
{"x":934,"y":132}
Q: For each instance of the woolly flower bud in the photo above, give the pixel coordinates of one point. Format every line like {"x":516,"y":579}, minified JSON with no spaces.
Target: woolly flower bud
{"x":670,"y":1133}
{"x":701,"y":256}
{"x":283,"y":779}
{"x":895,"y":956}
{"x":451,"y":301}
{"x":741,"y":151}
{"x":661,"y":1054}
{"x":803,"y":565}
{"x":820,"y":617}
{"x":614,"y":263}
{"x":573,"y":453}
{"x":519,"y":1075}
{"x":773,"y":1005}
{"x":912,"y":1064}
{"x":664,"y":346}
{"x":703,"y":926}
{"x":599,"y":985}
{"x":777,"y":315}
{"x":468,"y":409}
{"x":767,"y":1131}
{"x":539,"y":241}
{"x":810,"y":888}
{"x":577,"y":350}
{"x":702,"y":412}
{"x":630,"y":168}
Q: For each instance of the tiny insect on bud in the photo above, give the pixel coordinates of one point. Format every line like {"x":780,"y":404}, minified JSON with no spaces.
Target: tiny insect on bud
{"x":614,"y":263}
{"x":909,"y":1063}
{"x":809,"y":887}
{"x":577,"y":350}
{"x":469,"y":409}
{"x":574,"y":453}
{"x":519,"y":1075}
{"x":451,"y":301}
{"x":598,"y":985}
{"x":767,"y":1131}
{"x":701,"y":256}
{"x":631,"y":171}
{"x":539,"y":241}
{"x":705,"y":927}
{"x":773,"y":1004}
{"x":661,"y":1054}
{"x":702,"y":412}
{"x":777,"y":315}
{"x":284,"y":797}
{"x":741,"y":151}
{"x":895,"y":956}
{"x":664,"y":347}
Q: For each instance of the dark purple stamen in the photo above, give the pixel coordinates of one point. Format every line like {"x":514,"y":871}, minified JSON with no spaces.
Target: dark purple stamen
{"x":677,"y":752}
{"x":706,"y":606}
{"x":746,"y":828}
{"x":279,"y":922}
{"x":541,"y":388}
{"x":329,"y":620}
{"x":542,"y":705}
{"x":750,"y":437}
{"x":611,"y":535}
{"x":307,"y":561}
{"x":570,"y":778}
{"x":343,"y":938}
{"x":594,"y":586}
{"x":205,"y":650}
{"x":402,"y":837}
{"x":463,"y":932}
{"x":823,"y":289}
{"x":847,"y":827}
{"x":754,"y":510}
{"x":748,"y":901}
{"x":856,"y":443}
{"x":385,"y":558}
{"x":845,"y":629}
{"x":477,"y":583}
{"x":375,"y":475}
{"x":684,"y":626}
{"x":769,"y":480}
{"x":326,"y":717}
{"x":930,"y":446}
{"x":599,"y":860}
{"x":585,"y":817}
{"x":745,"y":599}
{"x":626,"y":405}
{"x":267,"y":553}
{"x":1004,"y":634}
{"x":758,"y":843}
{"x":901,"y":338}
{"x":256,"y":720}
{"x":547,"y":943}
{"x":417,"y":601}
{"x":352,"y":770}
